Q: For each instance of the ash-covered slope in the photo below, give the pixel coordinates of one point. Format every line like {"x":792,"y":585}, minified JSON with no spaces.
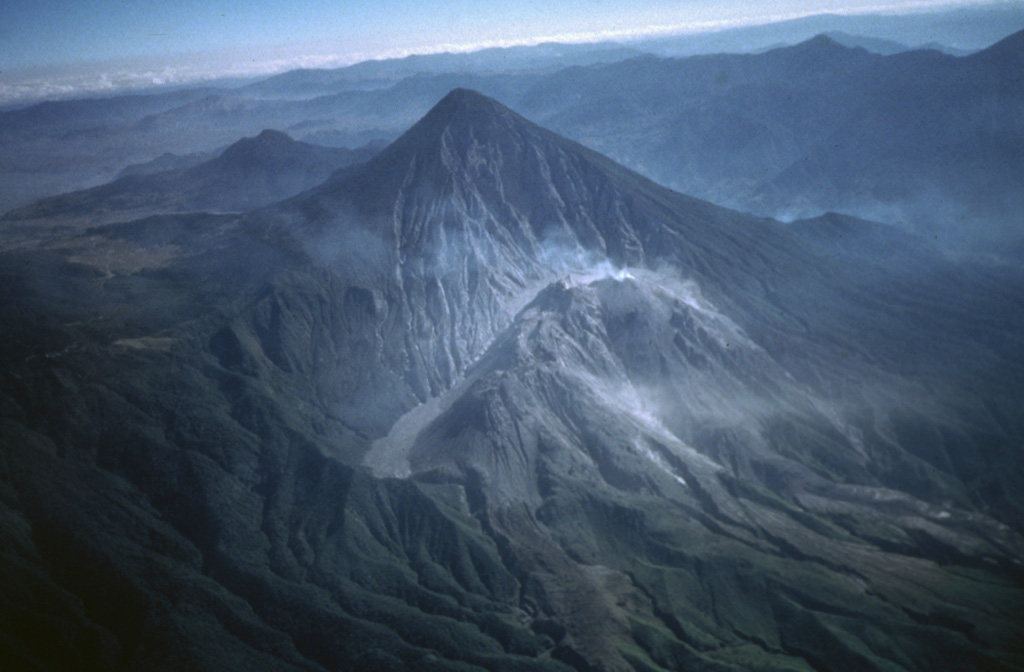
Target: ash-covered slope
{"x":251,"y":173}
{"x":631,"y":442}
{"x":596,"y":362}
{"x":454,"y":227}
{"x":631,"y":430}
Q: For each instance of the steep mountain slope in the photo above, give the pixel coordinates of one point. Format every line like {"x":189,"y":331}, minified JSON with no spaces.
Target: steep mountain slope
{"x":460,"y":217}
{"x":491,"y":401}
{"x":252,"y":172}
{"x":711,"y":450}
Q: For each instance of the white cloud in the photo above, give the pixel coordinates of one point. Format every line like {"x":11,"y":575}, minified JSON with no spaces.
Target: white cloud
{"x":107,"y":78}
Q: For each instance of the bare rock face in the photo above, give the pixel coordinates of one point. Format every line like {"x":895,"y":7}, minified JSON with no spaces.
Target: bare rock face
{"x":458,"y":224}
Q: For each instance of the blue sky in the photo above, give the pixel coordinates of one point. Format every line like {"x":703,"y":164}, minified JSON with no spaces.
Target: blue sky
{"x":114,"y":42}
{"x":56,"y":32}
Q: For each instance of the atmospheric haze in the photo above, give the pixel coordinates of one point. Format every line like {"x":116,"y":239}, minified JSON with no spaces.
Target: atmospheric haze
{"x":60,"y":50}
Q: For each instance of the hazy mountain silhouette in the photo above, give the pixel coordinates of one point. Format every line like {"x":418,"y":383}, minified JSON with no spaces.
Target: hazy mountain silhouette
{"x":252,"y":172}
{"x":956,"y":31}
{"x":917,"y":138}
{"x":875,"y":45}
{"x":166,"y":162}
{"x":547,"y":57}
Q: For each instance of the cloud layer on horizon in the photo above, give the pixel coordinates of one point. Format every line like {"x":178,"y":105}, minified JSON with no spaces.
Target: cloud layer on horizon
{"x":36,"y":84}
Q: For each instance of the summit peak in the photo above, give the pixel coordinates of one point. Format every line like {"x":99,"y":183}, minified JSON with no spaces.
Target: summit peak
{"x":268,"y":144}
{"x":821,"y":46}
{"x":821,"y":43}
{"x":462,"y":97}
{"x":273,"y":135}
{"x":466,"y":104}
{"x":462,"y":117}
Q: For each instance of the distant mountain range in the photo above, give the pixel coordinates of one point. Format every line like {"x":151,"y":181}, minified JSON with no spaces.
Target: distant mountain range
{"x":954,"y":30}
{"x":491,"y":401}
{"x":917,"y":138}
{"x":547,"y":57}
